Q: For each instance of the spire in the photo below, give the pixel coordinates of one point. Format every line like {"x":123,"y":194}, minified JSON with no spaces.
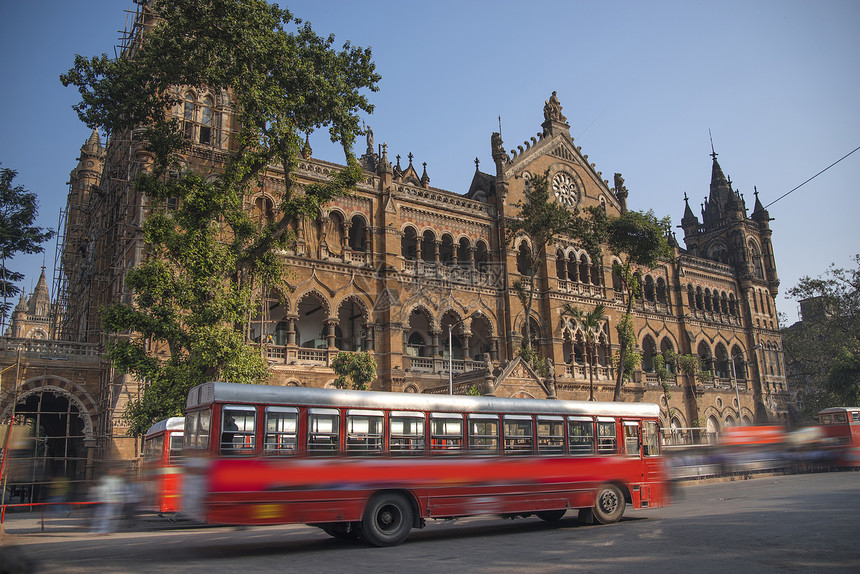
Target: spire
{"x":759,"y":212}
{"x":425,"y":179}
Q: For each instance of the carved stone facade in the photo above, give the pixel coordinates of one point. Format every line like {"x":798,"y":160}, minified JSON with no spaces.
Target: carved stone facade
{"x":401,"y":268}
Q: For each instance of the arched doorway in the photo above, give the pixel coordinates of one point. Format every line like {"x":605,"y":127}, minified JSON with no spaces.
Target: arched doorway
{"x":49,"y":442}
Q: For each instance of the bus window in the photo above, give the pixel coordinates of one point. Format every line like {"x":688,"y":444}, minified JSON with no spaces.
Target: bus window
{"x":580,"y":432}
{"x":238,"y":426}
{"x":519,"y":438}
{"x":631,"y":438}
{"x":197,"y":429}
{"x":484,"y":434}
{"x":281,"y":424}
{"x":364,"y":432}
{"x":174,"y":448}
{"x":153,"y":448}
{"x":323,"y":431}
{"x":855,"y":417}
{"x":607,"y":442}
{"x":840,"y":418}
{"x":406,"y":433}
{"x":550,"y":432}
{"x":446,"y":433}
{"x":651,"y":438}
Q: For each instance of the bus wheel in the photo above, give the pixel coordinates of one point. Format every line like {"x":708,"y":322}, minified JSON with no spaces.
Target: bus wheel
{"x":387,"y":520}
{"x":609,"y":505}
{"x":551,"y":515}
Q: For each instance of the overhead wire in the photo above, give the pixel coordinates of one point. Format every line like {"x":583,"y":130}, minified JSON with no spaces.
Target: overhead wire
{"x":811,"y":178}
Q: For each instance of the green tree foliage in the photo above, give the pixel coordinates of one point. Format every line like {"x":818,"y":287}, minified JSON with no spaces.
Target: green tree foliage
{"x":359,"y":369}
{"x":639,"y":240}
{"x":540,"y":218}
{"x":591,"y":323}
{"x":823,"y":350}
{"x":207,"y":258}
{"x":18,"y":211}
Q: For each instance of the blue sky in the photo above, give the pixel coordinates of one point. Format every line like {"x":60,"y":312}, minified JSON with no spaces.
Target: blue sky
{"x":776,"y":82}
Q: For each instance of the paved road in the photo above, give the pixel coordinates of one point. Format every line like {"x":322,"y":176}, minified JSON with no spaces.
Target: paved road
{"x":803,"y":523}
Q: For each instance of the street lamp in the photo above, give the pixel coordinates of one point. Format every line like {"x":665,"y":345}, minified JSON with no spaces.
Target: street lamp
{"x":735,"y":378}
{"x":451,"y":355}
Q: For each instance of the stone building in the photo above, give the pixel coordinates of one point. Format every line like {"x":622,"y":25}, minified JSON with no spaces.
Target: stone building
{"x":421,"y":278}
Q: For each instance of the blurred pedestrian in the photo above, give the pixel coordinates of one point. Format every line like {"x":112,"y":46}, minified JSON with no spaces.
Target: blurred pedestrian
{"x":110,"y":494}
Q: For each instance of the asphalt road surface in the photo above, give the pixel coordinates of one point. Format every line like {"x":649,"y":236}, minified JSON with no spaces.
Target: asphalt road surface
{"x":800,"y":523}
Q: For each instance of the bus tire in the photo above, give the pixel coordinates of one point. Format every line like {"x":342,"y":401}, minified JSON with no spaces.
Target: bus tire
{"x":387,"y":519}
{"x":608,"y":504}
{"x":551,"y":515}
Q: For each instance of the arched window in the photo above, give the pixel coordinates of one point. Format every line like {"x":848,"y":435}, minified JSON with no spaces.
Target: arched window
{"x":409,"y":244}
{"x":524,"y":259}
{"x":572,"y":268}
{"x":464,"y":255}
{"x":700,"y":302}
{"x":649,"y":349}
{"x":739,"y":363}
{"x":584,"y":274}
{"x":648,"y":289}
{"x":481,"y":256}
{"x":661,"y":291}
{"x":691,"y":296}
{"x":707,"y":300}
{"x":446,"y":250}
{"x":724,"y":303}
{"x":704,"y":353}
{"x":429,"y":250}
{"x":358,"y":234}
{"x":722,"y":361}
{"x":733,"y":305}
{"x":263,"y":209}
{"x":207,"y":121}
{"x":188,"y":116}
{"x":616,"y":281}
{"x":560,"y":265}
{"x":667,"y":349}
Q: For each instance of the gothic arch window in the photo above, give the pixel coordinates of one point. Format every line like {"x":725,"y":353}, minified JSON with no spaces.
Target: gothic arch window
{"x":481,"y":255}
{"x":481,"y":341}
{"x":351,"y":330}
{"x":603,"y":203}
{"x":649,"y":349}
{"x":264,"y":209}
{"x":724,"y":303}
{"x":721,"y":365}
{"x":560,"y":265}
{"x":616,"y":280}
{"x":691,"y":296}
{"x":535,"y":331}
{"x":188,"y":116}
{"x":446,"y":250}
{"x":767,"y":303}
{"x":578,"y":348}
{"x":572,"y":267}
{"x":661,"y":291}
{"x":648,"y":289}
{"x":409,"y":244}
{"x":311,"y":326}
{"x":458,"y":330}
{"x":733,"y":305}
{"x":417,"y":342}
{"x":708,"y":300}
{"x":739,"y":364}
{"x":464,"y":255}
{"x":666,"y":349}
{"x":429,"y":249}
{"x":700,"y":302}
{"x":584,"y":274}
{"x":207,"y":121}
{"x":704,"y":353}
{"x":755,"y":301}
{"x":524,"y":259}
{"x":358,"y":233}
{"x":596,"y":274}
{"x":756,"y":260}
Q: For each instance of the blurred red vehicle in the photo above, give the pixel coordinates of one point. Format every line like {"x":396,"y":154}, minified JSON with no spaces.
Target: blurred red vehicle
{"x":376,"y":464}
{"x":162,"y":472}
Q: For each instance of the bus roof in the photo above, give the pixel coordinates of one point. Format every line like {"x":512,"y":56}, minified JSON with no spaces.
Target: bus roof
{"x":832,"y":410}
{"x":209,"y":393}
{"x":173,"y":423}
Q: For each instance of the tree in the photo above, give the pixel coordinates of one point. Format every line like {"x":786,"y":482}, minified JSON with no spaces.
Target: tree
{"x":640,"y":240}
{"x":591,"y":324}
{"x":357,"y":368}
{"x":540,"y":219}
{"x":823,"y":350}
{"x":207,"y":258}
{"x":18,"y":210}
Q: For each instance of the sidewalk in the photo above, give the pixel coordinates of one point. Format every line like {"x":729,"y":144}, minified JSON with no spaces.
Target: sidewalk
{"x":77,"y":522}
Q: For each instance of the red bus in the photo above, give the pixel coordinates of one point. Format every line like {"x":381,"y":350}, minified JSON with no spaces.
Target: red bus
{"x":162,"y":447}
{"x":375,"y":465}
{"x":842,"y":424}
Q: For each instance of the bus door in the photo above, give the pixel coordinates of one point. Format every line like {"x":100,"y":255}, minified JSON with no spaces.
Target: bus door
{"x":641,"y":441}
{"x":654,"y":471}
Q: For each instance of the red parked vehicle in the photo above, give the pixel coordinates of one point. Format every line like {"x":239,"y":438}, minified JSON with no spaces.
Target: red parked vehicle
{"x":377,"y":464}
{"x":843,"y":425}
{"x":162,"y":448}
